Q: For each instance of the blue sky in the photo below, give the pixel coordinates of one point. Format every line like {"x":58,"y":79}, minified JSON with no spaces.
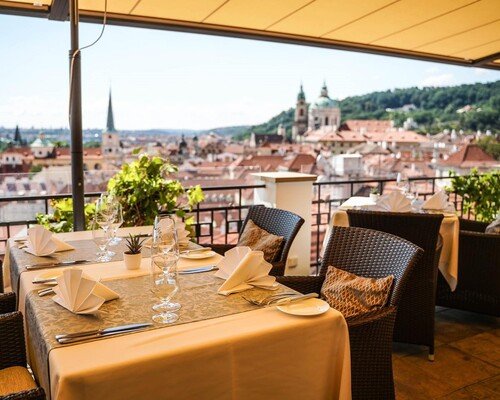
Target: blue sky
{"x":165,"y":79}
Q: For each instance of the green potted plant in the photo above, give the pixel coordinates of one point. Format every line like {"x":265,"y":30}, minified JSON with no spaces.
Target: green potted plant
{"x":132,"y":257}
{"x":374,"y":194}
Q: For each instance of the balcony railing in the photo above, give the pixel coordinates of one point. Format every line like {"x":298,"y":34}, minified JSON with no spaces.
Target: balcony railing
{"x":220,"y":216}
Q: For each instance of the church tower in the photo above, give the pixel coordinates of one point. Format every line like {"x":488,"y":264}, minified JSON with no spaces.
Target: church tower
{"x":301,"y":115}
{"x":110,"y":144}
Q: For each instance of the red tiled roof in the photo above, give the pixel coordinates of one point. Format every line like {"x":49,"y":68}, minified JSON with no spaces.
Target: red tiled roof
{"x":367,"y":124}
{"x":469,"y":156}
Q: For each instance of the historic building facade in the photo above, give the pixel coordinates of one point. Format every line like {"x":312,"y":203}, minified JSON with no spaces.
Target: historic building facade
{"x":324,"y":111}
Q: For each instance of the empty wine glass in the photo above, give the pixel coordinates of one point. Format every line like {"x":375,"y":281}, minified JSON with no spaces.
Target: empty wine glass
{"x":165,"y":253}
{"x":115,"y":224}
{"x":101,"y":239}
{"x":164,"y":285}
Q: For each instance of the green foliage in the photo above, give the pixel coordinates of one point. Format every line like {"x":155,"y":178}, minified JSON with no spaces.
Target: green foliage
{"x":480,"y":193}
{"x":134,"y":244}
{"x":144,"y":190}
{"x":491,"y":145}
{"x":61,"y":220}
{"x":436,"y":108}
{"x":92,"y":144}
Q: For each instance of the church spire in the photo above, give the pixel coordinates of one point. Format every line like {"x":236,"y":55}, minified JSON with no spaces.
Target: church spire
{"x":301,"y":95}
{"x":17,"y":136}
{"x":110,"y":124}
{"x":324,"y":90}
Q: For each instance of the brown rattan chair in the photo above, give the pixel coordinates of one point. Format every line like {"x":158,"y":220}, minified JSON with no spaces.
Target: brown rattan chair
{"x":371,"y":254}
{"x":16,"y":382}
{"x":478,"y":272}
{"x":276,"y":221}
{"x":415,"y":318}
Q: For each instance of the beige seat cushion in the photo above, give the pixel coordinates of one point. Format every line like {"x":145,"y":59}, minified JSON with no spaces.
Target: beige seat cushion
{"x":14,"y":380}
{"x":259,"y":239}
{"x":353,"y":295}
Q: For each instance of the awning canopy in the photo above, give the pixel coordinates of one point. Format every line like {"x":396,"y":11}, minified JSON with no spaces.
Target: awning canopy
{"x":462,"y":32}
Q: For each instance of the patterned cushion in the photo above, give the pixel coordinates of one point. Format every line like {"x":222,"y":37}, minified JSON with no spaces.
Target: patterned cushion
{"x":352,"y":295}
{"x":259,"y":239}
{"x":14,"y":380}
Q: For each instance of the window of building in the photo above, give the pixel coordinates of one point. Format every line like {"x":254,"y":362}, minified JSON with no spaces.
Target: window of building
{"x":326,"y":120}
{"x":301,"y":112}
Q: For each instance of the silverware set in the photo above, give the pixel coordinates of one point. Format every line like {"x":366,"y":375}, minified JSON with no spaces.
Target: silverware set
{"x":200,"y":250}
{"x":31,"y":267}
{"x":67,"y":338}
{"x":280,"y":299}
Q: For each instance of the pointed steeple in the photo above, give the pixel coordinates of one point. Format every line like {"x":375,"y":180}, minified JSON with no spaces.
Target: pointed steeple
{"x":110,"y":123}
{"x":17,"y":136}
{"x":324,"y":90}
{"x":301,"y":95}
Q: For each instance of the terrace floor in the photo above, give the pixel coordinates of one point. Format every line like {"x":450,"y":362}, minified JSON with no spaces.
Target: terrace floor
{"x":467,"y":360}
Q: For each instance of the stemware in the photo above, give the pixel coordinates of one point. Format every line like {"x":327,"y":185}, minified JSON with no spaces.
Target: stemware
{"x":164,"y":285}
{"x":105,"y":213}
{"x":165,"y":253}
{"x":101,"y":239}
{"x":115,"y":224}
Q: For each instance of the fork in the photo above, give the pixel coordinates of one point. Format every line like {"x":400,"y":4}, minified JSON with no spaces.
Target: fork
{"x":269,"y":299}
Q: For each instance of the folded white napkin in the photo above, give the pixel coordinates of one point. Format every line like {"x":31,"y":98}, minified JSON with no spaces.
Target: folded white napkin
{"x":438,"y":201}
{"x":394,"y":202}
{"x":243,"y":269}
{"x":41,"y":242}
{"x":81,"y":294}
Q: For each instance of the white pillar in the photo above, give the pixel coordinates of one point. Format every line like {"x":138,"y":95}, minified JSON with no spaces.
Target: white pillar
{"x":290,"y":191}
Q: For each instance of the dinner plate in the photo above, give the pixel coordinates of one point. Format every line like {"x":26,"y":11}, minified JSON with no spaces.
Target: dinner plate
{"x":51,"y":274}
{"x":199,"y":256}
{"x":306,"y":307}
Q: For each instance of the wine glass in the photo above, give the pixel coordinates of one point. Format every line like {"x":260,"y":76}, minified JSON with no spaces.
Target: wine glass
{"x":165,"y":253}
{"x":164,"y":285}
{"x":104,"y":215}
{"x":115,"y":224}
{"x":101,"y":239}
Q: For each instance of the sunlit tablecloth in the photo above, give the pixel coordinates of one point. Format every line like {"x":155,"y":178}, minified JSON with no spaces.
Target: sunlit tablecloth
{"x":450,"y":229}
{"x":252,"y":355}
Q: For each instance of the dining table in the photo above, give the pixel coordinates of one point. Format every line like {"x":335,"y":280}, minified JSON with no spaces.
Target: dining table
{"x":449,"y":231}
{"x":221,"y":347}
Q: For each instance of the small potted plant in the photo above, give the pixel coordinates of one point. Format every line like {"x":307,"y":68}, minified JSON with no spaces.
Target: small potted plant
{"x":133,"y":255}
{"x":374,"y":194}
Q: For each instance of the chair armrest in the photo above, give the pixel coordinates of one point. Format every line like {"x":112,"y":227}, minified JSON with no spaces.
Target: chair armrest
{"x":302,"y":284}
{"x":7,"y":302}
{"x":33,"y":394}
{"x":221,"y":248}
{"x":278,"y":268}
{"x":12,"y":348}
{"x":371,"y":317}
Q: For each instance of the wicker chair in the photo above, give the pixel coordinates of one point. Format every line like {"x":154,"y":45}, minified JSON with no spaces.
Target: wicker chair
{"x":13,"y":371}
{"x":415,"y":318}
{"x":372,"y":254}
{"x":478,"y":272}
{"x":278,"y":222}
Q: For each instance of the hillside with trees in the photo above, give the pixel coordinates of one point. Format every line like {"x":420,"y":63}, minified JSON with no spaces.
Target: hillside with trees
{"x":432,"y":108}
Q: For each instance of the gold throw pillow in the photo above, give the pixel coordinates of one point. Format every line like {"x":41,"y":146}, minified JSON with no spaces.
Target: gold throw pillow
{"x":259,"y":239}
{"x":353,"y":295}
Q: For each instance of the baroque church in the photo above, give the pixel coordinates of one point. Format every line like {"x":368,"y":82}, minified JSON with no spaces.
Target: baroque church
{"x":324,"y":111}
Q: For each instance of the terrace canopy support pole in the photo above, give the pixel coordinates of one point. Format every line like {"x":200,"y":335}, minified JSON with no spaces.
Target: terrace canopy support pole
{"x":75,"y":114}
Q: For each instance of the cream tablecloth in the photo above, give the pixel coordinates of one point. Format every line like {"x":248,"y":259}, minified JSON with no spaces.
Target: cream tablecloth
{"x":261,"y":354}
{"x":450,"y":229}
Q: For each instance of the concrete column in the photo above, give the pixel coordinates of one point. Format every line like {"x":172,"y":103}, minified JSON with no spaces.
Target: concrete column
{"x":293,"y":192}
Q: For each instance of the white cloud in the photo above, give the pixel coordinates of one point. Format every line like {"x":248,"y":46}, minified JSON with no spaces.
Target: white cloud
{"x":438,"y":80}
{"x":432,"y":70}
{"x":480,"y":71}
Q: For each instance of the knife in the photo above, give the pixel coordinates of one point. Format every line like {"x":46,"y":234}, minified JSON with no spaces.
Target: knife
{"x":55,"y":264}
{"x":290,"y":300}
{"x":197,"y":270}
{"x":202,"y":249}
{"x":80,"y":336}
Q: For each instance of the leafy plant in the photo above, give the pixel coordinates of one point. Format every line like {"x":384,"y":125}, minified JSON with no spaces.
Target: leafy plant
{"x":144,"y":188}
{"x":374,"y":190}
{"x":134,"y":244}
{"x":480,"y":193}
{"x":61,"y":220}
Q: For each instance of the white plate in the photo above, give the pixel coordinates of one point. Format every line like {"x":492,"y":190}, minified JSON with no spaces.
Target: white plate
{"x":306,"y":307}
{"x":51,"y":274}
{"x":199,"y":255}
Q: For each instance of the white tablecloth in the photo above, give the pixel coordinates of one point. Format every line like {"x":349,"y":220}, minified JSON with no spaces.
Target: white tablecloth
{"x":262,"y":354}
{"x":450,"y":229}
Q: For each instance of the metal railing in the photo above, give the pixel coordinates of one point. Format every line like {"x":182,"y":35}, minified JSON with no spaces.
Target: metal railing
{"x":217,"y":220}
{"x":325,"y":202}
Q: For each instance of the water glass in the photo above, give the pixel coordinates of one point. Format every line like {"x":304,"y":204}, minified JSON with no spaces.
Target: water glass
{"x":101,"y":239}
{"x":164,"y":285}
{"x":115,"y":224}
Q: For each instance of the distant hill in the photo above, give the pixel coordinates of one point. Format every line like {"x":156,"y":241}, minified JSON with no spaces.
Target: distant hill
{"x":435,"y":108}
{"x":228,"y":131}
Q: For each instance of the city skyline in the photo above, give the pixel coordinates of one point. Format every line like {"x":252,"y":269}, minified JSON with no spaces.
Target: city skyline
{"x":168,"y":80}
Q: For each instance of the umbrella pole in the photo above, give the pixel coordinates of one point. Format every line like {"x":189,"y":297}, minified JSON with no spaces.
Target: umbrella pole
{"x":76,"y":122}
